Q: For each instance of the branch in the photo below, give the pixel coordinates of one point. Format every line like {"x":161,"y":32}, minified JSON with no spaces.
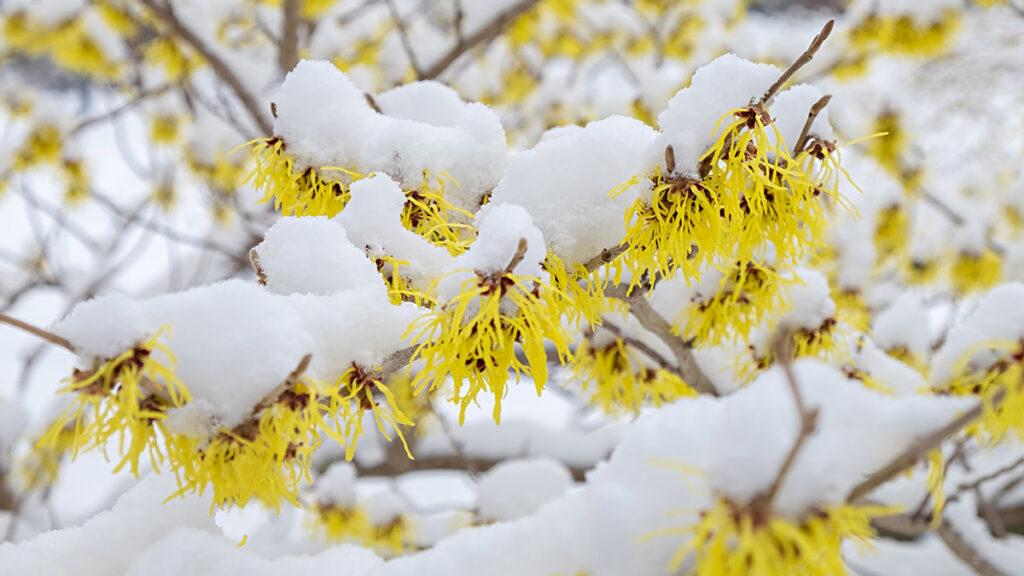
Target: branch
{"x":403,"y":37}
{"x":800,"y":62}
{"x":606,"y":256}
{"x":808,"y":420}
{"x":288,"y":51}
{"x":639,"y":345}
{"x":918,"y":449}
{"x":480,"y":37}
{"x":957,"y":219}
{"x":650,"y":319}
{"x":805,"y":133}
{"x":222,"y":70}
{"x":517,"y":257}
{"x":396,"y":466}
{"x":37,"y":331}
{"x":964,"y":551}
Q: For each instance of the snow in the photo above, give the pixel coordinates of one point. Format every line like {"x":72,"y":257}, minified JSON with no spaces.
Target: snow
{"x":997,"y":320}
{"x":501,"y":229}
{"x":565,"y":184}
{"x":516,"y":488}
{"x":689,"y":123}
{"x":195,"y":552}
{"x":107,"y":543}
{"x":372,"y":220}
{"x":313,"y":255}
{"x":904,"y":324}
{"x":423,"y":129}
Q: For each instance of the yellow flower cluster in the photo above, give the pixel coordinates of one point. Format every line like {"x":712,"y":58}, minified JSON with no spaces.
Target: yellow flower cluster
{"x":1000,"y":388}
{"x":730,"y":540}
{"x":904,"y":36}
{"x":126,"y":398}
{"x":265,"y":458}
{"x":124,"y":402}
{"x":351,"y":524}
{"x":297,"y":193}
{"x":974,"y":272}
{"x":355,"y":393}
{"x":751,"y":191}
{"x":69,"y":44}
{"x":746,"y":295}
{"x":473,"y":336}
{"x":618,"y":381}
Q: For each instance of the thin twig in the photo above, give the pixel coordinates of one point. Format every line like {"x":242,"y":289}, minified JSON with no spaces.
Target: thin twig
{"x":37,"y":331}
{"x":403,"y":37}
{"x":478,"y":38}
{"x":808,"y":420}
{"x":606,"y":256}
{"x":964,"y":551}
{"x":686,"y":363}
{"x":288,"y":51}
{"x":918,"y":449}
{"x":805,"y":133}
{"x":220,"y":68}
{"x":800,"y":62}
{"x":639,"y":345}
{"x":518,"y":256}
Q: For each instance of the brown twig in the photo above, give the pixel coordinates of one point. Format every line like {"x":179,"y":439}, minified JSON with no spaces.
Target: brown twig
{"x":805,"y":133}
{"x":686,"y":363}
{"x":220,"y":68}
{"x":288,"y":50}
{"x":37,"y":331}
{"x":800,"y":62}
{"x":403,"y":37}
{"x":808,"y":421}
{"x":478,"y":38}
{"x":964,"y":551}
{"x":518,"y":256}
{"x":639,"y":345}
{"x":254,"y":261}
{"x":606,"y":256}
{"x":115,"y":112}
{"x":918,"y":449}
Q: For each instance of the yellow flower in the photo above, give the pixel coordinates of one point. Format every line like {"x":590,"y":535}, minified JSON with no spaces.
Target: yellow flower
{"x":266,"y":457}
{"x":619,"y":381}
{"x":746,"y":294}
{"x":473,"y":337}
{"x":1000,"y":388}
{"x":126,"y":397}
{"x":730,"y":540}
{"x":749,"y":191}
{"x":891,"y":233}
{"x":305,"y":193}
{"x":579,"y":294}
{"x":351,"y":524}
{"x":428,"y":213}
{"x":973,"y":272}
{"x":164,"y":128}
{"x":42,"y":146}
{"x":77,"y":182}
{"x":176,"y":61}
{"x":356,"y":392}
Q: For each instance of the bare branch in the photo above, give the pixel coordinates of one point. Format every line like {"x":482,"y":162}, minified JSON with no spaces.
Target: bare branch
{"x":518,"y":256}
{"x":220,"y":68}
{"x":606,"y":256}
{"x":686,"y":363}
{"x":964,"y":551}
{"x":639,"y":345}
{"x":801,"y":142}
{"x":808,"y":422}
{"x":403,"y":36}
{"x":37,"y":331}
{"x":917,"y":450}
{"x":800,"y":62}
{"x":478,"y":38}
{"x":288,"y":51}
